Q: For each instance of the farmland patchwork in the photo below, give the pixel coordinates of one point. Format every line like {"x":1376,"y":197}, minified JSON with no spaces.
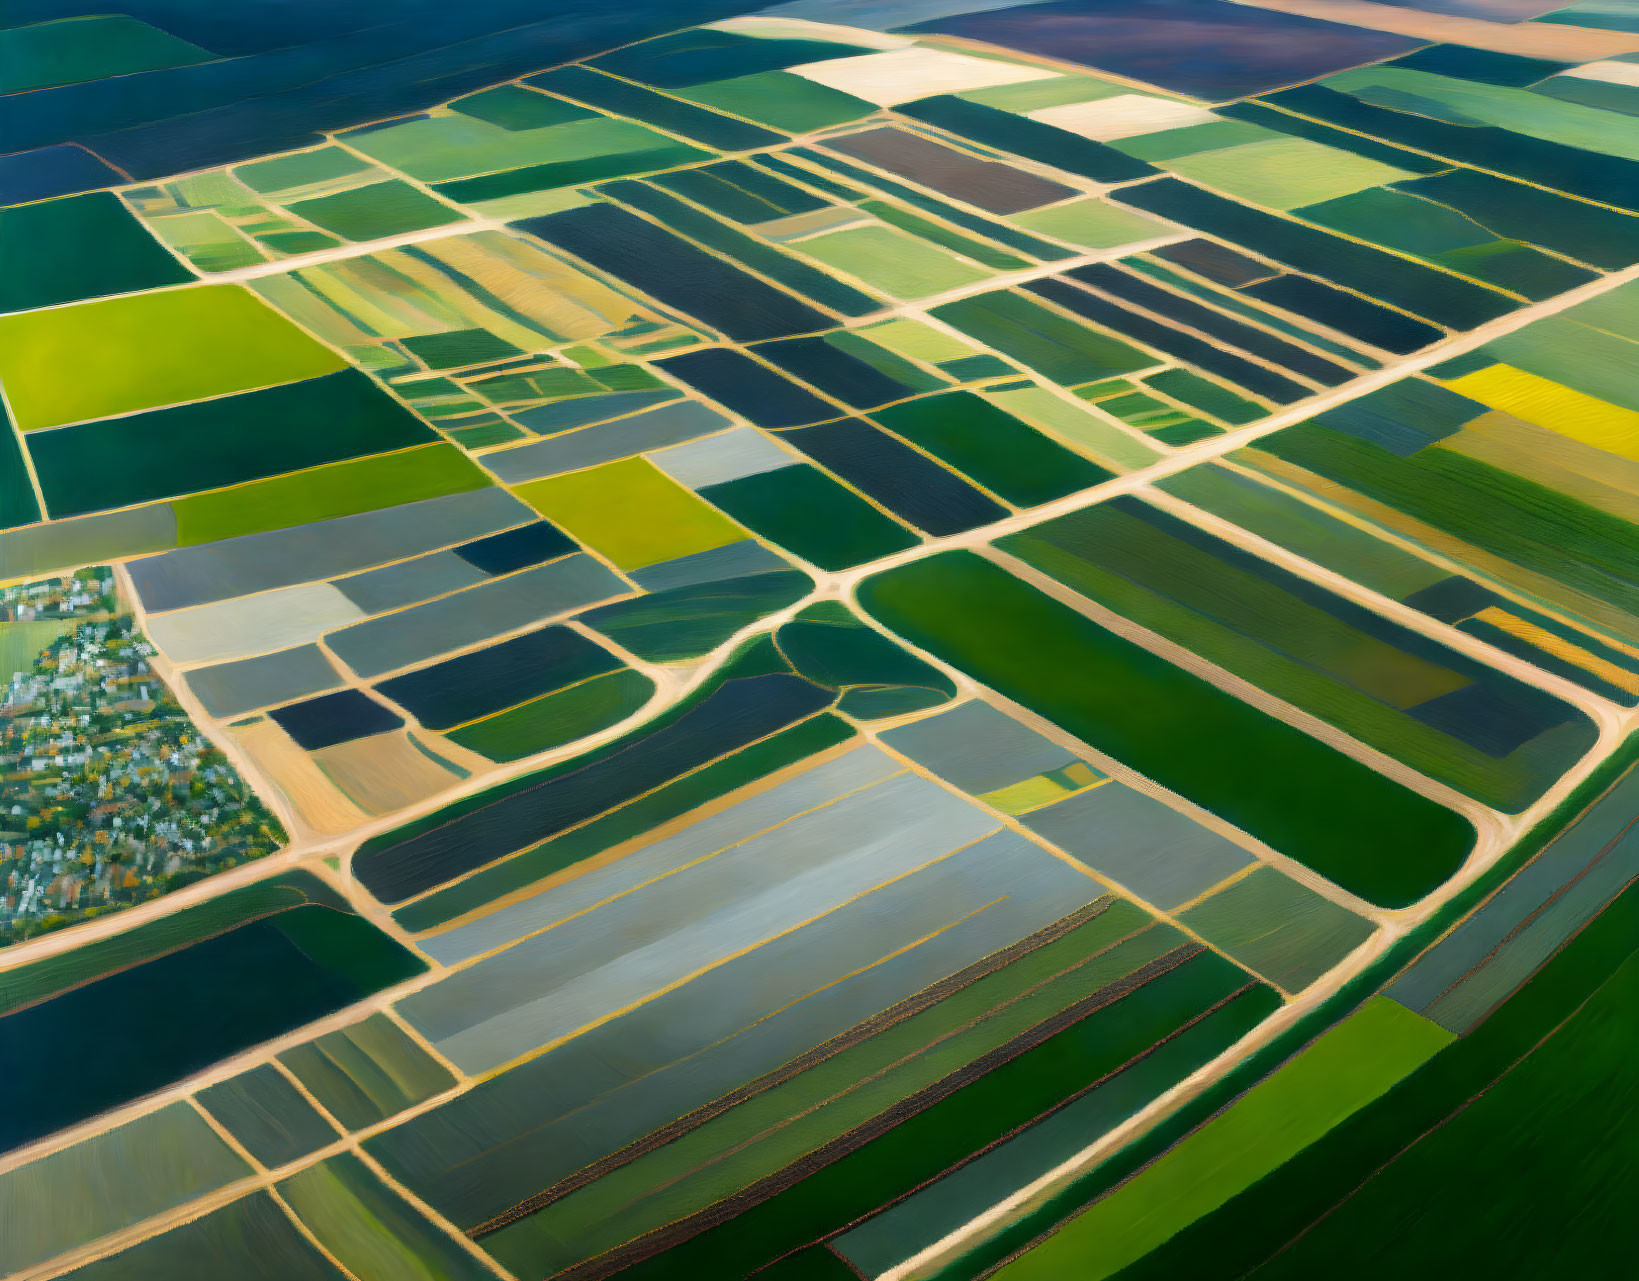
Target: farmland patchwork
{"x":890,"y":640}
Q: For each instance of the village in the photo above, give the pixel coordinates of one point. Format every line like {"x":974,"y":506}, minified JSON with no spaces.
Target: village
{"x":108,"y":793}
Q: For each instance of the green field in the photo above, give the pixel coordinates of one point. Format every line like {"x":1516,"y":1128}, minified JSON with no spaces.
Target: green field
{"x":448,"y":147}
{"x":1509,"y":1153}
{"x":298,"y":170}
{"x":366,"y":1072}
{"x":631,"y":512}
{"x":1284,"y":173}
{"x":1498,"y":511}
{"x":1293,"y":524}
{"x":1109,"y":1045}
{"x":559,"y":717}
{"x":74,"y":50}
{"x":21,"y":643}
{"x":780,"y":99}
{"x":1091,"y":224}
{"x":1536,"y":1171}
{"x":57,"y":251}
{"x":891,"y":260}
{"x":1311,"y":648}
{"x":323,"y":493}
{"x":380,"y":209}
{"x":126,"y":354}
{"x":765,"y":1134}
{"x":370,"y":1229}
{"x":1345,"y":1069}
{"x":275,"y":895}
{"x":809,"y":514}
{"x":1351,"y":824}
{"x":1062,"y":349}
{"x":141,"y":1168}
{"x":850,"y":685}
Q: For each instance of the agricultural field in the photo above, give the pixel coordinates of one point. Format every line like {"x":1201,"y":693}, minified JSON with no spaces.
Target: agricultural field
{"x":899,"y":641}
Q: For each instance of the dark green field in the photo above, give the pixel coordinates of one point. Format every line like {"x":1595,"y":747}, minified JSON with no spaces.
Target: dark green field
{"x":60,"y":251}
{"x":195,"y":987}
{"x":1456,"y":720}
{"x":964,"y":1122}
{"x":1351,"y":824}
{"x":1510,"y":1154}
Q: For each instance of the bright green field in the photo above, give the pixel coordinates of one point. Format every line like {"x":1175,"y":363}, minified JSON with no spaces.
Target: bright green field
{"x":323,"y":493}
{"x":20,"y":643}
{"x":891,"y":260}
{"x":1340,"y":1073}
{"x":1286,"y":172}
{"x":631,"y":512}
{"x":1567,"y":123}
{"x":126,"y":354}
{"x":1093,"y":224}
{"x":444,"y":147}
